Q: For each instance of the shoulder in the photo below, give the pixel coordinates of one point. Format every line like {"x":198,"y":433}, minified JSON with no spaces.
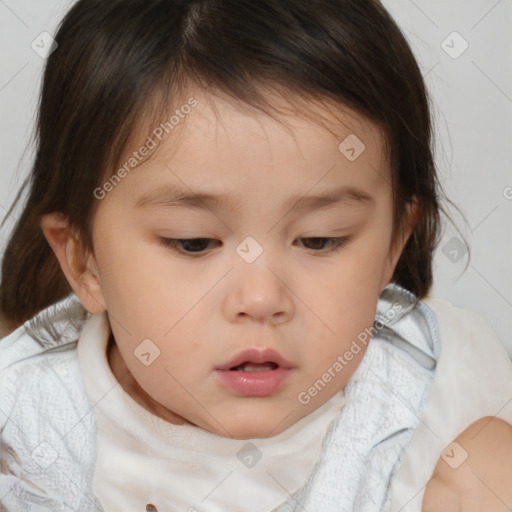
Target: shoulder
{"x":28,"y":371}
{"x":453,"y":316}
{"x":474,"y":472}
{"x":46,"y":432}
{"x":468,"y":336}
{"x":38,"y":364}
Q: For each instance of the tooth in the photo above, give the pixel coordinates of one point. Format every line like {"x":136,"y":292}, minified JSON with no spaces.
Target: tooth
{"x":253,"y":367}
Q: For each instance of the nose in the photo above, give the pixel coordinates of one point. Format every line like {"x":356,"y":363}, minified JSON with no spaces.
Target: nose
{"x":258,"y":292}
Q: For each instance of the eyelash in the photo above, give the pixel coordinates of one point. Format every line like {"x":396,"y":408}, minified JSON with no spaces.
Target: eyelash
{"x":337,"y":243}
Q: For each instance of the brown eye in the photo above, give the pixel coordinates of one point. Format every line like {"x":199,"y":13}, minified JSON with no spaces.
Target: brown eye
{"x":319,"y":243}
{"x":151,"y":508}
{"x":190,"y":246}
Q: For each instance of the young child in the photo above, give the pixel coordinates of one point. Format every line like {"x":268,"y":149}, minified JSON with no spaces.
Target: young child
{"x":216,"y":296}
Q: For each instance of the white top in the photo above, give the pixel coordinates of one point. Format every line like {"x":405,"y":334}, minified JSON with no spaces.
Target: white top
{"x":183,"y":467}
{"x":48,"y":434}
{"x":473,"y":379}
{"x":157,"y":451}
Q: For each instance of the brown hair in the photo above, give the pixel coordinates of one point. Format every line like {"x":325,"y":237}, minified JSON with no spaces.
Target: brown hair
{"x":114,"y":58}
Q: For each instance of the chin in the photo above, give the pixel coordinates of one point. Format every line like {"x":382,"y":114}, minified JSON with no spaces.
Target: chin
{"x":253,"y":422}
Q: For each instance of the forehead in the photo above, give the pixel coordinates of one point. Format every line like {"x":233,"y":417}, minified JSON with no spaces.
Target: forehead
{"x":223,"y":145}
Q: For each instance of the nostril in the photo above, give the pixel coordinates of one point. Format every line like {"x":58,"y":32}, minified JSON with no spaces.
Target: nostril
{"x":151,"y":508}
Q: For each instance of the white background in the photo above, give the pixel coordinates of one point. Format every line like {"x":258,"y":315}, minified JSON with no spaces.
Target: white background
{"x":472,"y":102}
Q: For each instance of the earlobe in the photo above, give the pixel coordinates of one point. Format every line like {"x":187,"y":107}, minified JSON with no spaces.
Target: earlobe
{"x":78,"y":265}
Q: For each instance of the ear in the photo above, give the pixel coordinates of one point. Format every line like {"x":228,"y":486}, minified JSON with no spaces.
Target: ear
{"x":78,"y":265}
{"x":398,"y":244}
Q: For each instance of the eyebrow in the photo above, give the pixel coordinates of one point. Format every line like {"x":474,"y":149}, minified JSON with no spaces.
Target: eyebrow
{"x":166,"y":197}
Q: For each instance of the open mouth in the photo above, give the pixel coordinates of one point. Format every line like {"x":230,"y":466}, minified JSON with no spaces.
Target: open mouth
{"x":254,"y":367}
{"x":255,"y":372}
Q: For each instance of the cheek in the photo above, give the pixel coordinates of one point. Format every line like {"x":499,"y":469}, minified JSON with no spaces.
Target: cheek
{"x":346,"y":305}
{"x":151,"y":298}
{"x":132,"y":281}
{"x":370,"y":258}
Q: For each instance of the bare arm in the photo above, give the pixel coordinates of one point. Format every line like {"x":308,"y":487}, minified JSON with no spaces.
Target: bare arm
{"x":474,"y":473}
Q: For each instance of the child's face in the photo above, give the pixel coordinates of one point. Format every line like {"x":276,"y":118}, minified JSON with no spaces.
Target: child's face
{"x":260,"y":284}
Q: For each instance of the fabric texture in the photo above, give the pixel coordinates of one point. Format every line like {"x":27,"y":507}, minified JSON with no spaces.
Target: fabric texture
{"x":384,"y":399}
{"x":48,"y":428}
{"x":473,"y":380}
{"x":47,"y":447}
{"x":182,"y":467}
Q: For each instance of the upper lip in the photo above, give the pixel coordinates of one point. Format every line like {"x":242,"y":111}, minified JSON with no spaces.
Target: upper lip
{"x":254,"y":355}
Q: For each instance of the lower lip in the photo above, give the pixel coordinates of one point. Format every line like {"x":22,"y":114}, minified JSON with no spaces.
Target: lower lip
{"x":254,"y":383}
